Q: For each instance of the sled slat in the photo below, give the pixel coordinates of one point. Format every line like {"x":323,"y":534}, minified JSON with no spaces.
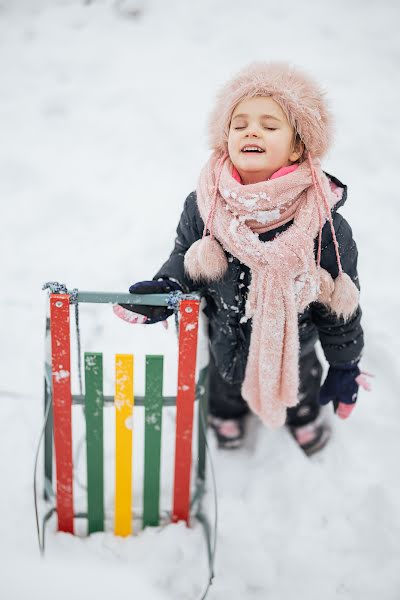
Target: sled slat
{"x":62,"y":403}
{"x":152,"y":448}
{"x":123,"y":451}
{"x":188,"y":329}
{"x":94,"y":440}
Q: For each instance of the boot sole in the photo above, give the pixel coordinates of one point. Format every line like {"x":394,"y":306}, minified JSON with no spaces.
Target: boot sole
{"x":318,"y":444}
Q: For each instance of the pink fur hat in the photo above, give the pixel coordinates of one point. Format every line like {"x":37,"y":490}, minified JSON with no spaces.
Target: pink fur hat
{"x":301,"y":99}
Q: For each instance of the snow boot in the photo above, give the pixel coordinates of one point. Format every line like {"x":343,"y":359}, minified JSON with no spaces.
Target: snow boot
{"x":229,"y":432}
{"x":311,"y":437}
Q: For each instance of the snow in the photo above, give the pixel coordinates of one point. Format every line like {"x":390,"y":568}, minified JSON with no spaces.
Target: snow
{"x":102,"y":120}
{"x":61,"y":374}
{"x":266,"y":216}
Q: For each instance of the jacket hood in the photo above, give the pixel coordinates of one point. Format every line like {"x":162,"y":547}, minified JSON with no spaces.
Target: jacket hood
{"x":342,"y":187}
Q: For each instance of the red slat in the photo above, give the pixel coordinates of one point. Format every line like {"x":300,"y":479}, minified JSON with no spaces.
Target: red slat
{"x":62,"y":404}
{"x":188,"y":330}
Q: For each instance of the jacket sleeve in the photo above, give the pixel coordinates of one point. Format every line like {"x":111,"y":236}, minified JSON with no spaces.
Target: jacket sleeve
{"x":190,"y":229}
{"x":342,"y":341}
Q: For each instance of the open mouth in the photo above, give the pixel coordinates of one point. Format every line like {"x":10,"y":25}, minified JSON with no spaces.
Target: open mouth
{"x":254,"y":149}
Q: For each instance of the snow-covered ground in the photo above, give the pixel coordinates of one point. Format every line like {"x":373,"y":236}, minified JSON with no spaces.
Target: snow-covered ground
{"x":102,"y":135}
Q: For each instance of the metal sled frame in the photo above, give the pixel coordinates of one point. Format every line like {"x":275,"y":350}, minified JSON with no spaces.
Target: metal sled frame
{"x":177,"y":301}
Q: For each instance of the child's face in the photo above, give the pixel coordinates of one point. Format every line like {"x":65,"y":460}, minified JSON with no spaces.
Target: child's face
{"x":260,"y":122}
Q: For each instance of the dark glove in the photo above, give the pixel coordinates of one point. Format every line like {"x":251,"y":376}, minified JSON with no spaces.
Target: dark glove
{"x":341,"y":388}
{"x":148,"y":314}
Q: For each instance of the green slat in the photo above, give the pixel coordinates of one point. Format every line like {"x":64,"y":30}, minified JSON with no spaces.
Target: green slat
{"x":152,"y":443}
{"x":94,"y":440}
{"x":202,"y":395}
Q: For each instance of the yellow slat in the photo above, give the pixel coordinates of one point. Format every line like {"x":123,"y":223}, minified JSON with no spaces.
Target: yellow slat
{"x":124,"y":402}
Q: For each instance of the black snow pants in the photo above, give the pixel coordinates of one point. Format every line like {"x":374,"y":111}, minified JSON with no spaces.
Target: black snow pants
{"x":226,"y":400}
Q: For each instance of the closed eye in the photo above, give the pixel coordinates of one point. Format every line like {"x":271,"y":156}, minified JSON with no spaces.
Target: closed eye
{"x":268,"y":128}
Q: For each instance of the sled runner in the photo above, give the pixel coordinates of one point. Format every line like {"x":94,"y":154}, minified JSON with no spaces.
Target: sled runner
{"x":59,"y":402}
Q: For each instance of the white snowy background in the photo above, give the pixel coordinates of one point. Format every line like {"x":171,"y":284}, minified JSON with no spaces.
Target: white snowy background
{"x":102,"y":135}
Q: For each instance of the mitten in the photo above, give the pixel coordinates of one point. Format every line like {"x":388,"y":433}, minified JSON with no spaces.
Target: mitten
{"x":140,"y":313}
{"x":341,"y":388}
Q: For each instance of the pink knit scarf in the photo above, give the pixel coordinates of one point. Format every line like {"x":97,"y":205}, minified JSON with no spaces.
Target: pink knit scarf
{"x":272,"y":219}
{"x":285,"y":278}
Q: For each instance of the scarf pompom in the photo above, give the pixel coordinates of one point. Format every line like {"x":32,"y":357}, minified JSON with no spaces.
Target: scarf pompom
{"x":206,"y":259}
{"x":344,"y":300}
{"x":326,"y":286}
{"x":191,"y":262}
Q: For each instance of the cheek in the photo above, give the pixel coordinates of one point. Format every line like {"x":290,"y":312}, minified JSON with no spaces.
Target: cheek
{"x":232,"y":145}
{"x":280,"y":145}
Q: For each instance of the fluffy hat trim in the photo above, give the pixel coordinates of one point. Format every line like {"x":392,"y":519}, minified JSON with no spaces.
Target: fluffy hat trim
{"x":301,"y":99}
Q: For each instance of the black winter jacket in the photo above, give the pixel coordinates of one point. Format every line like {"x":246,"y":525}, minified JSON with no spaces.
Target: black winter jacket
{"x":229,"y":339}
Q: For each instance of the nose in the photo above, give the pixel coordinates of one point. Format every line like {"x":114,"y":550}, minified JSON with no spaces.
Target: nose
{"x":252,"y":132}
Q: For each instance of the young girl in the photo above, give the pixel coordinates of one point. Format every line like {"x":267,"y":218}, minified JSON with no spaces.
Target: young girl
{"x":263,"y":242}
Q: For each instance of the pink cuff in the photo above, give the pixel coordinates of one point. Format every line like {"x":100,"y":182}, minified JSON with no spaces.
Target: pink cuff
{"x":131,"y":317}
{"x":344,"y":410}
{"x":128,"y":315}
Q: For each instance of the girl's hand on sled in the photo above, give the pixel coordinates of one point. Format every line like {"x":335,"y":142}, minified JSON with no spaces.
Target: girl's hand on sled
{"x":341,"y":388}
{"x":142,"y":314}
